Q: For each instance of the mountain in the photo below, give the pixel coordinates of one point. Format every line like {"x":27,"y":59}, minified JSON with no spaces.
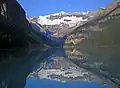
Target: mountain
{"x":63,"y":22}
{"x":81,"y":25}
{"x":14,"y":27}
{"x":102,"y":30}
{"x":68,"y":18}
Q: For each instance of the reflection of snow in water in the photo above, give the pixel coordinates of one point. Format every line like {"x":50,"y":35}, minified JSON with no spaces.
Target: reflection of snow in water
{"x":63,"y":70}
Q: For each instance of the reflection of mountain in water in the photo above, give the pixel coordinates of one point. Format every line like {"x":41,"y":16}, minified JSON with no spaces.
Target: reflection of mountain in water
{"x":61,"y":69}
{"x":15,"y":67}
{"x":66,"y":70}
{"x":101,"y":61}
{"x":18,"y":70}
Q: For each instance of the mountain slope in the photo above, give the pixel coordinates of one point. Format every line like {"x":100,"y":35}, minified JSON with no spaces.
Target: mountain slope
{"x":60,"y":24}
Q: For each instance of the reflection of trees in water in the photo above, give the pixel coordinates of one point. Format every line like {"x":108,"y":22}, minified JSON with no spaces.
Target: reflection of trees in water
{"x":14,"y":71}
{"x":15,"y":67}
{"x":102,"y":61}
{"x":63,"y":70}
{"x":73,"y":53}
{"x":12,"y":74}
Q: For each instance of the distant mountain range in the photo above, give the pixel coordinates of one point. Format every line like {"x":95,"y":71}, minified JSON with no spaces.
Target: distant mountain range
{"x":62,"y":22}
{"x":71,"y":19}
{"x":68,"y":18}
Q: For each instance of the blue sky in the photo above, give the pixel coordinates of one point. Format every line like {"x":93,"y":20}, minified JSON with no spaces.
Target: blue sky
{"x":44,"y":7}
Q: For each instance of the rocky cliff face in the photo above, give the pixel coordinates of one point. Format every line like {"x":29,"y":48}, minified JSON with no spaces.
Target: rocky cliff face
{"x":102,"y":30}
{"x":109,"y":23}
{"x":14,"y":26}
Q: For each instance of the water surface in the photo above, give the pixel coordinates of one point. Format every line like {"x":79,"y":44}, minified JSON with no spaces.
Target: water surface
{"x":61,"y":68}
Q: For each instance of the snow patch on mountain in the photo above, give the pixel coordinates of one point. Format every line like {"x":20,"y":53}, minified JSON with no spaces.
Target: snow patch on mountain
{"x":67,"y":18}
{"x":71,"y":21}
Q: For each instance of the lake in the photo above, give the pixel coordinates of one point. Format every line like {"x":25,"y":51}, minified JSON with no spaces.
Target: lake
{"x":95,"y":67}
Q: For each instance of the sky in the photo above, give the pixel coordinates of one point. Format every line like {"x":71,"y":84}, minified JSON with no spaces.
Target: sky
{"x":45,"y":7}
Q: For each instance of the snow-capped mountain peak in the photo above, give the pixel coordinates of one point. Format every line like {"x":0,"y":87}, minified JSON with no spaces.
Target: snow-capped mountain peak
{"x":62,"y":22}
{"x":71,"y":21}
{"x":68,"y":18}
{"x":62,"y":12}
